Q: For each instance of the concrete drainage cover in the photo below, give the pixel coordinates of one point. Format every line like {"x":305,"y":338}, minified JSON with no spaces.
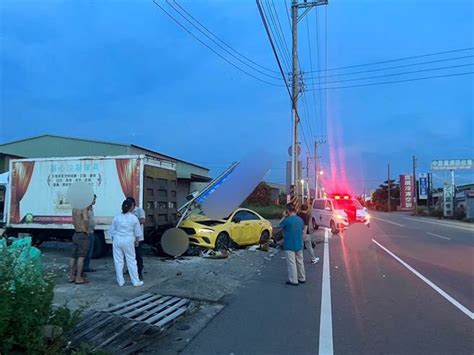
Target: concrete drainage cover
{"x":130,"y":326}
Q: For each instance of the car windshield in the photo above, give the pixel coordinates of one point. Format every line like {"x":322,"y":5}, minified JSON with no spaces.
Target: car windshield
{"x":346,"y":204}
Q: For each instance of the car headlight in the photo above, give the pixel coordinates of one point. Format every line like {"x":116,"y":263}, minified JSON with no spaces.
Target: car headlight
{"x":340,"y":216}
{"x":205,"y":230}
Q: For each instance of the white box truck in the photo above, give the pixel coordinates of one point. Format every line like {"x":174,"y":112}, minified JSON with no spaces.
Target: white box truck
{"x":34,"y":195}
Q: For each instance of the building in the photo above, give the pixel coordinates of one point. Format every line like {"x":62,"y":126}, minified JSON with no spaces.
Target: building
{"x":191,"y":177}
{"x":275,"y":191}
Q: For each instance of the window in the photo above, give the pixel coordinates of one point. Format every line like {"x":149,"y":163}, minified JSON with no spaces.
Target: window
{"x":249,"y":216}
{"x":240,"y":215}
{"x":318,"y":205}
{"x":328,"y":204}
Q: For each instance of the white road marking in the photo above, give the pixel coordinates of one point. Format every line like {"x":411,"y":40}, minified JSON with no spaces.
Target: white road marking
{"x":458,"y":305}
{"x":386,"y":220}
{"x":325,"y":325}
{"x":451,"y":225}
{"x":437,"y":235}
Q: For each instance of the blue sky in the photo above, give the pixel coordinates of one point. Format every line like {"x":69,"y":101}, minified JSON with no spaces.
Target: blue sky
{"x":123,"y":71}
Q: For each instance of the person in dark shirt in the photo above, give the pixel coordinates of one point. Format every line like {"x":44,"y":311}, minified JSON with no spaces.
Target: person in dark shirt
{"x":293,"y":227}
{"x":303,"y":214}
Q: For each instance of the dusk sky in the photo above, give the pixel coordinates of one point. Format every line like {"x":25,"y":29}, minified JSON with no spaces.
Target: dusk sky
{"x":123,"y":71}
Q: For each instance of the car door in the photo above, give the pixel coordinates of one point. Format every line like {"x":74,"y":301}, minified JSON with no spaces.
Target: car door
{"x":318,"y":212}
{"x":237,"y":228}
{"x":327,"y":213}
{"x":252,"y":228}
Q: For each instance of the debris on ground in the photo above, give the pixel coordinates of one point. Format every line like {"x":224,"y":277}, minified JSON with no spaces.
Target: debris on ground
{"x":212,"y":254}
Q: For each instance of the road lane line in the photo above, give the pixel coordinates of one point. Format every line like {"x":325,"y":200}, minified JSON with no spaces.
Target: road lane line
{"x":325,"y":326}
{"x":385,"y":220}
{"x":437,"y":235}
{"x":458,"y":305}
{"x":440,"y":223}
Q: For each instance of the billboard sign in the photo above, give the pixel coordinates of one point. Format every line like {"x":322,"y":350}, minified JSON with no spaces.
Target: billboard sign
{"x":423,"y":186}
{"x":452,"y":164}
{"x":407,"y":192}
{"x":448,"y":199}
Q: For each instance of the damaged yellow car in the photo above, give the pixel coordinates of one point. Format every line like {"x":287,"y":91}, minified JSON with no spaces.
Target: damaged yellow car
{"x":243,"y":227}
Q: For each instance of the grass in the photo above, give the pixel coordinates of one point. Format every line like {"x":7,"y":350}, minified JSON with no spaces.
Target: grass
{"x":268,"y":211}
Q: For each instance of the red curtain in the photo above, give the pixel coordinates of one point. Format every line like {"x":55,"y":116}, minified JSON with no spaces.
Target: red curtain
{"x":20,"y":179}
{"x":129,"y":174}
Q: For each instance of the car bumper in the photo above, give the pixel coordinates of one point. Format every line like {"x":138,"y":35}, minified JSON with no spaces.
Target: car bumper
{"x":205,"y":240}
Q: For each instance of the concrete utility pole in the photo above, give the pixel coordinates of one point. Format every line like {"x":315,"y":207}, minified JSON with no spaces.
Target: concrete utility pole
{"x":389,"y":187}
{"x":415,"y":194}
{"x":295,"y":18}
{"x":317,"y":169}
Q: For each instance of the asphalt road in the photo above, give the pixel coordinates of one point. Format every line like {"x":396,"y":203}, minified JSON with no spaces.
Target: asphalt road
{"x":404,"y":286}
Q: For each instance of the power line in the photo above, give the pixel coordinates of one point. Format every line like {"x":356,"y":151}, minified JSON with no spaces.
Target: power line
{"x":403,"y":58}
{"x":222,"y":41}
{"x":402,"y":73}
{"x":311,"y":66}
{"x":217,"y":43}
{"x":393,"y":67}
{"x":281,"y":44}
{"x":397,"y":81}
{"x":267,"y":30}
{"x":212,"y":49}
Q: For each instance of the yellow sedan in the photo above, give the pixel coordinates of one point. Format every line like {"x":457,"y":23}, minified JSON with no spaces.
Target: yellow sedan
{"x":242,"y":227}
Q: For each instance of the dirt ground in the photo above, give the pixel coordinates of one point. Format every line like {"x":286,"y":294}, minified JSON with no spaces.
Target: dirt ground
{"x":205,"y":281}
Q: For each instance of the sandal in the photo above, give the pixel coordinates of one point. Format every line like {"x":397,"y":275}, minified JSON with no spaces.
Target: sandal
{"x":71,"y":280}
{"x":84,"y":281}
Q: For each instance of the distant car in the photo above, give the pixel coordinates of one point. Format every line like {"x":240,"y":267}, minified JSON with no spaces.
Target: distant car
{"x":243,"y":227}
{"x":338,"y":212}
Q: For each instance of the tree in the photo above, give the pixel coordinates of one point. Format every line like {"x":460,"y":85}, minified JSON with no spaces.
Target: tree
{"x":380,"y":196}
{"x":262,"y":195}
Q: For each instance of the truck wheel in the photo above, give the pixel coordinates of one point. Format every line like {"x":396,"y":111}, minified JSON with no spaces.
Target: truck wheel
{"x":100,"y":247}
{"x":334,"y":230}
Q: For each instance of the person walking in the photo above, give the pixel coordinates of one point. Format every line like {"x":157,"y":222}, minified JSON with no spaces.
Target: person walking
{"x":140,"y":214}
{"x":80,"y":239}
{"x":293,"y":227}
{"x":303,"y":214}
{"x":125,"y":232}
{"x":90,"y":232}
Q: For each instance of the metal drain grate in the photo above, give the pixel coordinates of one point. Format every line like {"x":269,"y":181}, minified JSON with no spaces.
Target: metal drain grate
{"x":129,"y":326}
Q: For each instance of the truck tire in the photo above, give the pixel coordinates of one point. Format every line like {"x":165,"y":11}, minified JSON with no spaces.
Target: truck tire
{"x":100,"y":247}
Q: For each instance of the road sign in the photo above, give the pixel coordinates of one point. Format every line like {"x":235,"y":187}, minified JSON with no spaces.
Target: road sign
{"x":452,"y":164}
{"x":298,"y":150}
{"x":423,"y":186}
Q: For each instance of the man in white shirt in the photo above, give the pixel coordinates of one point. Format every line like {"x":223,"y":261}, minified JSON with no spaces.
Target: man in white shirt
{"x":140,"y":213}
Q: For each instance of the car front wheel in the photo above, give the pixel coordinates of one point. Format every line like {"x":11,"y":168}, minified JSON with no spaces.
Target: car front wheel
{"x":222,"y":242}
{"x":334,"y":229}
{"x":315,"y":225}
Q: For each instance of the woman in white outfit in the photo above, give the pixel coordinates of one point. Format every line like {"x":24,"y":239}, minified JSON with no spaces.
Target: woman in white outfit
{"x":125,"y":232}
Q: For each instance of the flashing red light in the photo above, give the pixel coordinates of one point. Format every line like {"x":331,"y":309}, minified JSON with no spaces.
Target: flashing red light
{"x":346,"y":197}
{"x":337,"y":197}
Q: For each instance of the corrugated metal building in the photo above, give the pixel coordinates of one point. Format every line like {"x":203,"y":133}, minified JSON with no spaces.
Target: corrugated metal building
{"x":191,"y":177}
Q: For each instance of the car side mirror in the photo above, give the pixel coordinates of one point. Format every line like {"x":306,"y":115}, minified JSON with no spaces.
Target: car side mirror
{"x":236,"y":220}
{"x":327,"y":208}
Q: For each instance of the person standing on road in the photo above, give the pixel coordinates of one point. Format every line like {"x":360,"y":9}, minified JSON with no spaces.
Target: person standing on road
{"x":293,"y":227}
{"x":125,"y":232}
{"x":140,"y":214}
{"x":90,"y":213}
{"x":80,"y":239}
{"x":303,"y":214}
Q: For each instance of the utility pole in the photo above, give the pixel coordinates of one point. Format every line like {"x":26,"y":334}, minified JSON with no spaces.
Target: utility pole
{"x":295,"y":18}
{"x":317,"y":169}
{"x":389,"y":187}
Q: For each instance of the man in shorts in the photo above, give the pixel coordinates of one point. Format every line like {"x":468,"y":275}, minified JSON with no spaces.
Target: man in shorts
{"x":80,"y":239}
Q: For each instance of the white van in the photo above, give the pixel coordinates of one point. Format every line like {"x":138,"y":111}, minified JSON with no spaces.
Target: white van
{"x":337,"y":213}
